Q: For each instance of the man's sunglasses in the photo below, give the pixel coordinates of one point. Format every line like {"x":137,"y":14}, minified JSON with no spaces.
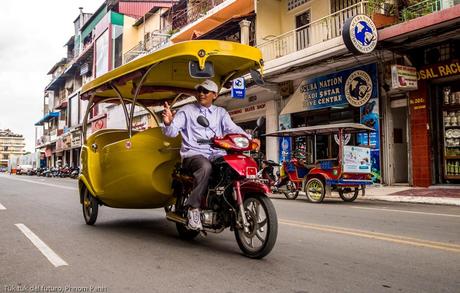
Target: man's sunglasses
{"x":202,"y":90}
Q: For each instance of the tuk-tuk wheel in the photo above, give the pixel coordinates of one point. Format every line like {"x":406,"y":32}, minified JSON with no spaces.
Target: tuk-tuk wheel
{"x":315,"y":190}
{"x":348,"y":194}
{"x":90,"y":207}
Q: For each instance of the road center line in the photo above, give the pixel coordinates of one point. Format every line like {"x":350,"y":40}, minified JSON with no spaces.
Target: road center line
{"x":35,"y":182}
{"x":44,"y":249}
{"x":2,"y":207}
{"x":409,"y":212}
{"x":375,"y":235}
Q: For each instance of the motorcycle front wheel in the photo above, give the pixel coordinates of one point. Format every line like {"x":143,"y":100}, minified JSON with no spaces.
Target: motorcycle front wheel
{"x":261,"y":236}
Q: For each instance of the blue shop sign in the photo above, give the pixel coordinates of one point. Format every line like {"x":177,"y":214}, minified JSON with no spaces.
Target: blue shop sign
{"x":355,"y":86}
{"x":238,"y":88}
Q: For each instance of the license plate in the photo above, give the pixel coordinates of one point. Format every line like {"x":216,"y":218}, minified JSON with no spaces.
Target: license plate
{"x":251,"y":172}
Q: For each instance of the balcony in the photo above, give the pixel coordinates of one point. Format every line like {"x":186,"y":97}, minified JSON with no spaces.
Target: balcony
{"x":316,"y":32}
{"x":43,"y":140}
{"x":156,"y":41}
{"x":420,"y":9}
{"x":187,"y":15}
{"x":204,"y":16}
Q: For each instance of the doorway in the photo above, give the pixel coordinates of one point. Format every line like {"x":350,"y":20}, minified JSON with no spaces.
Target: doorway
{"x":399,"y":145}
{"x":302,"y":30}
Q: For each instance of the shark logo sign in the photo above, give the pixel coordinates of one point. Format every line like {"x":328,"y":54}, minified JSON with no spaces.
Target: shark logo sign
{"x":358,"y":88}
{"x":360,"y":34}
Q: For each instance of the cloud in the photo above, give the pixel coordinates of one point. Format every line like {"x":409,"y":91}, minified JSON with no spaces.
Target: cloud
{"x":32,"y":40}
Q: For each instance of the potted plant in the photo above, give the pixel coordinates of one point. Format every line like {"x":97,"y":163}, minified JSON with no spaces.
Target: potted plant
{"x":381,"y":13}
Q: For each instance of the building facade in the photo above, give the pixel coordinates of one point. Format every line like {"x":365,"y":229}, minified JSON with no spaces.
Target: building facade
{"x":308,"y":68}
{"x":11,"y":145}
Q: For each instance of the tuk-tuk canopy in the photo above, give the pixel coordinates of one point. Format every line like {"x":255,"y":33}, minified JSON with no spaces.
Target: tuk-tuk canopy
{"x":164,"y":74}
{"x":322,"y":129}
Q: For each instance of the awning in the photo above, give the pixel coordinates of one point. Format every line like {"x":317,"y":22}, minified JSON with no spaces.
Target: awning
{"x":47,"y":118}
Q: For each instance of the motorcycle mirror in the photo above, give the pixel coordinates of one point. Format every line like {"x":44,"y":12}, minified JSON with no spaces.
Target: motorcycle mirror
{"x":202,"y":121}
{"x":256,"y":76}
{"x":260,"y":121}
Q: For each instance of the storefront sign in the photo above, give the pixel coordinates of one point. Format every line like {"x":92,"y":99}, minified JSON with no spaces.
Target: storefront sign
{"x":360,"y":34}
{"x":238,"y":88}
{"x":76,"y":139}
{"x":67,"y":141}
{"x":59,"y":145}
{"x":354,"y":86}
{"x":356,"y":159}
{"x":439,"y":70}
{"x":140,"y":122}
{"x":403,"y":77}
{"x":247,"y":109}
{"x":417,"y":103}
{"x":48,"y":152}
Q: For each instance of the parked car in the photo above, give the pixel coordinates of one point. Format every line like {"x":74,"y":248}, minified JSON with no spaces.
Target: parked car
{"x":23,"y":169}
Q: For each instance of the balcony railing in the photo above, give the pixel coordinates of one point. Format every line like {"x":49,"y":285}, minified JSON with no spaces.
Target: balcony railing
{"x":192,"y":12}
{"x":420,"y":9}
{"x":156,"y":41}
{"x":316,"y":32}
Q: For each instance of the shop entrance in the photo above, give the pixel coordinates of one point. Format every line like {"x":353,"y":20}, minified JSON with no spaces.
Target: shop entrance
{"x":398,"y":145}
{"x":446,"y":130}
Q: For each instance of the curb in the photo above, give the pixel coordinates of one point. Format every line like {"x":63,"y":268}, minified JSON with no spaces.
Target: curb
{"x":415,"y":199}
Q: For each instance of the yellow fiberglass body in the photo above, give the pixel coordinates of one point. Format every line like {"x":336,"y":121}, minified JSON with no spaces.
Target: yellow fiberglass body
{"x":124,"y":168}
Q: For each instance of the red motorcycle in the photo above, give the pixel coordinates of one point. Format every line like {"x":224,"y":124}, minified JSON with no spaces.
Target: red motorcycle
{"x":236,"y":198}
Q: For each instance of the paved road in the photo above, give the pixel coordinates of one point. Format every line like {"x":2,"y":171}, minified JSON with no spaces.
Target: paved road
{"x":366,"y":246}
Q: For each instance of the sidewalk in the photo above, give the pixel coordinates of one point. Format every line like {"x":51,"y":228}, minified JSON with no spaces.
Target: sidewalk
{"x":432,"y":195}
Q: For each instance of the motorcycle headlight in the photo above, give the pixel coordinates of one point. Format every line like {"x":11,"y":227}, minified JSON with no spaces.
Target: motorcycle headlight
{"x":241,"y":142}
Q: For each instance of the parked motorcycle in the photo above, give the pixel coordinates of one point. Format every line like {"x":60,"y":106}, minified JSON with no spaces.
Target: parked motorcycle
{"x":291,"y":178}
{"x":267,"y":172}
{"x":74,"y":173}
{"x":236,"y":198}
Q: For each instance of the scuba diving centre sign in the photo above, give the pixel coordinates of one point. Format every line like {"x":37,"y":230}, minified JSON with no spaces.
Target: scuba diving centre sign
{"x":355,"y":86}
{"x":360,"y":34}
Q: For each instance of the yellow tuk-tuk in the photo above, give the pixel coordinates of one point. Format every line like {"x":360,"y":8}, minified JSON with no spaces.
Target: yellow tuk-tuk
{"x":126,"y":168}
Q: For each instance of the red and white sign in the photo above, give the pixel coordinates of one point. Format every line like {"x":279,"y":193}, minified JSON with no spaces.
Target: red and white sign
{"x":248,"y":109}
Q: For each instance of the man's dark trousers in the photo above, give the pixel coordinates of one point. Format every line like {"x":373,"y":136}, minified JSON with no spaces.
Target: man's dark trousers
{"x":201,"y":169}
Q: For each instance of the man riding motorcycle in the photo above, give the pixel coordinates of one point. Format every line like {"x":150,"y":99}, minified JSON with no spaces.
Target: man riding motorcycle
{"x":197,"y":157}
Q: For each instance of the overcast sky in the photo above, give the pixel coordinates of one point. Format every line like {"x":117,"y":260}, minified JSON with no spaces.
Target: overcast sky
{"x":32,"y":38}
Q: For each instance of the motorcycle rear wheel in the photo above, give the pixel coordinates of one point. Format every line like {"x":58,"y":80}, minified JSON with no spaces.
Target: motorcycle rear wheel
{"x":185,"y":233}
{"x":263,"y":227}
{"x":291,"y":192}
{"x":179,"y":208}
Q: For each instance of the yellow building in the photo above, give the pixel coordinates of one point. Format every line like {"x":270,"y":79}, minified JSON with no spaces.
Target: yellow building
{"x":11,"y":144}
